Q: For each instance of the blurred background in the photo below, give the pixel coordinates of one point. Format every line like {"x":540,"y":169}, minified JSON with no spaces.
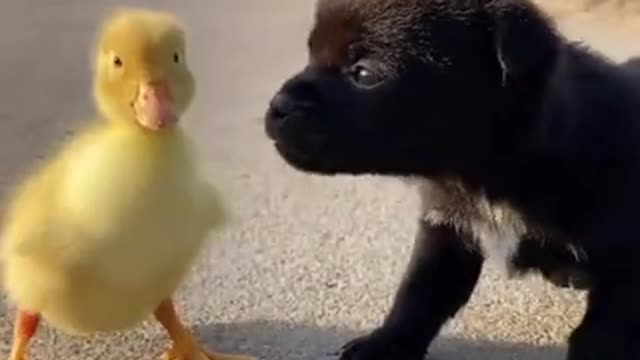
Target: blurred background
{"x":309,"y":262}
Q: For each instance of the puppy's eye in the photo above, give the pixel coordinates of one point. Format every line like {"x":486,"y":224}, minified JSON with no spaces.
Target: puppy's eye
{"x":176,"y":57}
{"x":364,"y":76}
{"x":117,"y":62}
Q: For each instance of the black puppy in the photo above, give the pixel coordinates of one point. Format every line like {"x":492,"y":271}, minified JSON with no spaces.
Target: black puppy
{"x":525,"y":146}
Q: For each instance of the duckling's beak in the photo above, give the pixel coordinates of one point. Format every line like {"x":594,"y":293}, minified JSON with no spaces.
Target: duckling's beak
{"x":154,"y":106}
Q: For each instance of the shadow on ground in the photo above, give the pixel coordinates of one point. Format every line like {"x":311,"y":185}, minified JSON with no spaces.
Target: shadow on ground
{"x":264,"y":339}
{"x":282,"y":341}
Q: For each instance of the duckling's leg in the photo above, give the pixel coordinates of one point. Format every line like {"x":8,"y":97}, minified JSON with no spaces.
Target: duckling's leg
{"x":185,"y":346}
{"x":26,"y":325}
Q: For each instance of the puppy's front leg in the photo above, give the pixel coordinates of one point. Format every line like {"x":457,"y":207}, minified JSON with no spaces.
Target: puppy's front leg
{"x":439,"y":280}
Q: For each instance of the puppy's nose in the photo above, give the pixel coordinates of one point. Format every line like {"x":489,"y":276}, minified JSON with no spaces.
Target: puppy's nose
{"x":281,"y":105}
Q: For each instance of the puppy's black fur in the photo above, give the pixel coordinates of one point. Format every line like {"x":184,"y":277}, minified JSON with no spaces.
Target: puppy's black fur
{"x":523,"y":144}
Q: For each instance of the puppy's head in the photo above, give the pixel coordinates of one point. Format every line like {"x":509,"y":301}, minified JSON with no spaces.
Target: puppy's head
{"x":411,"y":87}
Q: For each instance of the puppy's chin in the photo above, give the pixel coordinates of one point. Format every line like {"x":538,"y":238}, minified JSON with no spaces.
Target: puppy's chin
{"x":311,"y":161}
{"x":305,"y":148}
{"x":338,"y":151}
{"x":335,"y":160}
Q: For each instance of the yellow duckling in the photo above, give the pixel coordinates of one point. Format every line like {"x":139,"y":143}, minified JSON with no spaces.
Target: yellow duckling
{"x":102,"y":235}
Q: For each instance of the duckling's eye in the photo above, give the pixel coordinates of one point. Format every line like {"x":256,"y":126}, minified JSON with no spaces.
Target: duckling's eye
{"x":176,"y":57}
{"x":117,"y":62}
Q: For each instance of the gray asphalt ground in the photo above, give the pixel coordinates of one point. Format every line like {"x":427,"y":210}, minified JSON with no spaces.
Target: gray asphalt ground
{"x":309,"y":262}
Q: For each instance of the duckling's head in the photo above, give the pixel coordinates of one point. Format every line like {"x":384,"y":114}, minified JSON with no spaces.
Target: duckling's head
{"x":141,"y":76}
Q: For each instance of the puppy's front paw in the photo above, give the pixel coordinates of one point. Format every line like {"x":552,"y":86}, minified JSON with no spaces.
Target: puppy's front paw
{"x":380,"y":345}
{"x":568,"y":277}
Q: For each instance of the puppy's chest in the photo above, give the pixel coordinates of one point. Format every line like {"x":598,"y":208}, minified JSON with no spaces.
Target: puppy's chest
{"x":497,"y":229}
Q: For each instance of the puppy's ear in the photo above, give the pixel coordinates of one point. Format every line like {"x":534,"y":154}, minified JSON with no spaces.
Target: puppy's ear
{"x":526,"y":42}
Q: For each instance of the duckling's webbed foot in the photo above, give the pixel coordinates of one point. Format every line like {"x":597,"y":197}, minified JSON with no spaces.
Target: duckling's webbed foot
{"x":26,"y":325}
{"x":184,"y":344}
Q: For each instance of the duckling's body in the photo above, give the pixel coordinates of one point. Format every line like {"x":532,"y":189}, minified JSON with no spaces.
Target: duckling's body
{"x":126,"y":214}
{"x":102,"y":235}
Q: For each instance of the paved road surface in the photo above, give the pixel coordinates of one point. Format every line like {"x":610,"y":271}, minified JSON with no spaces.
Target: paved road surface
{"x":310,"y":262}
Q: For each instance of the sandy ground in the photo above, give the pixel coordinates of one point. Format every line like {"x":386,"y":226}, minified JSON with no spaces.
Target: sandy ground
{"x":309,"y":262}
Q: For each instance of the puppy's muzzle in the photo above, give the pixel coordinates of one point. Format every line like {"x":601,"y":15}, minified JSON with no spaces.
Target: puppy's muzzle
{"x":280,"y":107}
{"x":283,"y":109}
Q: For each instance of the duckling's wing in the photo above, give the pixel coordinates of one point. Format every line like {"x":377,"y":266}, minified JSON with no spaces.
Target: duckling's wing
{"x":29,"y":218}
{"x":33,"y":222}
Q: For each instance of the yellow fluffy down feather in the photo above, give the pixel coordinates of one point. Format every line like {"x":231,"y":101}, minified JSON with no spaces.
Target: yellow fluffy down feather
{"x":107,"y":229}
